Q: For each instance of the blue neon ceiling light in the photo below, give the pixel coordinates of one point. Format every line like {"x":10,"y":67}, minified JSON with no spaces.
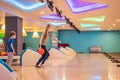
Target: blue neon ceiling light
{"x":52,"y":17}
{"x":25,"y":6}
{"x":95,"y":29}
{"x":57,"y":24}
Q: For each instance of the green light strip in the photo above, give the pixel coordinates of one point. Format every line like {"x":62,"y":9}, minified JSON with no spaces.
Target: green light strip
{"x":89,"y":25}
{"x":94,"y":19}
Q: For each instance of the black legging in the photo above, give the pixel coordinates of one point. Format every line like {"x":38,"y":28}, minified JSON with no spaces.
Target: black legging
{"x":44,"y":56}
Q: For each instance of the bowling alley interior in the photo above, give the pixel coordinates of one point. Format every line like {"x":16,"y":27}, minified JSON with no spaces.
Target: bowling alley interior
{"x":59,"y":40}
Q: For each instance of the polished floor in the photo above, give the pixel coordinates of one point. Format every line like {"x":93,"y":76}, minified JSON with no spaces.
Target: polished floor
{"x":81,"y":67}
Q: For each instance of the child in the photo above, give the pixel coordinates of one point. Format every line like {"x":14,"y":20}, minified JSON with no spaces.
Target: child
{"x":10,"y":46}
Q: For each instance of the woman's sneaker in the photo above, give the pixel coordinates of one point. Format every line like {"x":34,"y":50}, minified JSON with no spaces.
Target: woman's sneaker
{"x":37,"y":66}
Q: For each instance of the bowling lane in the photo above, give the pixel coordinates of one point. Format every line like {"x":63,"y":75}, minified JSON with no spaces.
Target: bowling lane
{"x":81,"y":67}
{"x":116,"y":55}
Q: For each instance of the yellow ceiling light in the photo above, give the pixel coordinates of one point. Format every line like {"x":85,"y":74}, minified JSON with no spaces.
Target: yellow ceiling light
{"x":35,"y":35}
{"x":3,"y":29}
{"x":114,"y":24}
{"x":24,"y":34}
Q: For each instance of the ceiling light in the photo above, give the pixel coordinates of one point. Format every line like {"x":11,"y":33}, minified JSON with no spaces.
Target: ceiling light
{"x":57,"y":23}
{"x":94,"y":19}
{"x":24,"y":34}
{"x":25,"y":6}
{"x":89,"y":25}
{"x":3,"y":29}
{"x":95,"y":29}
{"x":114,"y":24}
{"x":52,"y":17}
{"x":35,"y":35}
{"x":118,"y":20}
{"x":78,"y":6}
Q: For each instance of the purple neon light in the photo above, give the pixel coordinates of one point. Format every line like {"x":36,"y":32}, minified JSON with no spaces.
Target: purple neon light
{"x":80,"y":3}
{"x":51,"y":17}
{"x":79,"y":6}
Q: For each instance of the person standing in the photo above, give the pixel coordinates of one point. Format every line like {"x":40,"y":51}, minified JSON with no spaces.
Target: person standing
{"x":43,"y":42}
{"x":10,"y":47}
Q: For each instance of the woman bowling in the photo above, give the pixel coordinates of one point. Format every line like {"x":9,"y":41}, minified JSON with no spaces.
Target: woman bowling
{"x":43,"y":42}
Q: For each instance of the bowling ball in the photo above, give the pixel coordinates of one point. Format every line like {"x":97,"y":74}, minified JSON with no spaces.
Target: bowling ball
{"x":41,"y":51}
{"x":3,"y":53}
{"x":6,"y":54}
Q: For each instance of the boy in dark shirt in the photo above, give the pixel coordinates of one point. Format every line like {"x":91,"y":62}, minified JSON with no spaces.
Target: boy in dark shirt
{"x":10,"y":46}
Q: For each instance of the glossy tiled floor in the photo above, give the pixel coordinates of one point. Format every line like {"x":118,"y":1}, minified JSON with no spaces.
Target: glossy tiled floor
{"x":81,"y":67}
